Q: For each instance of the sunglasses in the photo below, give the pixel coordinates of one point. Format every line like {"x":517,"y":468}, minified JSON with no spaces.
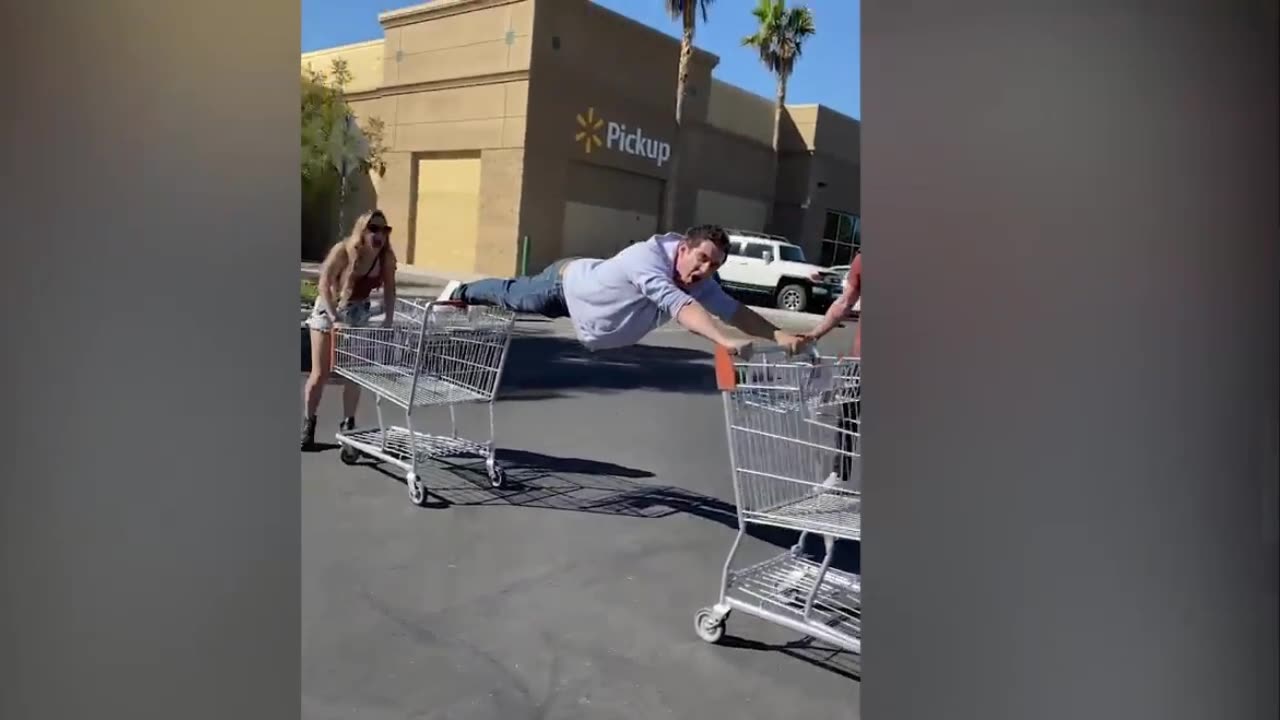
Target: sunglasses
{"x":378,"y":229}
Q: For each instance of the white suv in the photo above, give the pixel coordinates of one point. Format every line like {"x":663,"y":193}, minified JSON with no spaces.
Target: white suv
{"x":769,"y":265}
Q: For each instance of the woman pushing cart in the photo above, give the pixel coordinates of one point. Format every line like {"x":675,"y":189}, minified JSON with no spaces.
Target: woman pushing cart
{"x":432,"y":354}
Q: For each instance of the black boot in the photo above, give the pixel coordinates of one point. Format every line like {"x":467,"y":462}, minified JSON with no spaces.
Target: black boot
{"x":347,"y":425}
{"x":309,"y":433}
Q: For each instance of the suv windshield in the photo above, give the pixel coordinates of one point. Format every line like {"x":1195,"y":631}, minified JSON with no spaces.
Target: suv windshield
{"x":791,"y":253}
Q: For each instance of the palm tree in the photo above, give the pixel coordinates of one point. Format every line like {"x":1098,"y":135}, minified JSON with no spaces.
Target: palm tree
{"x":687,"y":12}
{"x":779,"y":39}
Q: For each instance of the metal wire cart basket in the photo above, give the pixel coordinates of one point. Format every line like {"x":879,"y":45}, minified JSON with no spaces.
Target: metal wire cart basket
{"x":434,"y":353}
{"x":795,"y":452}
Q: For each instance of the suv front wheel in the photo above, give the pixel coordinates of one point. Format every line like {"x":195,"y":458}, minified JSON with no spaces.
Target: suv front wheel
{"x":793,"y":297}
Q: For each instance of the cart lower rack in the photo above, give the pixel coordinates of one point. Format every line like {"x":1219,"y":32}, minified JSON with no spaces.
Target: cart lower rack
{"x":792,"y":591}
{"x":433,"y":354}
{"x":794,"y":447}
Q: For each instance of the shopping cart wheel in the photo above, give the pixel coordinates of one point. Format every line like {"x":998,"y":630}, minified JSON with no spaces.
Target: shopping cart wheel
{"x":708,"y":625}
{"x":417,"y":491}
{"x":349,"y":455}
{"x":497,"y":476}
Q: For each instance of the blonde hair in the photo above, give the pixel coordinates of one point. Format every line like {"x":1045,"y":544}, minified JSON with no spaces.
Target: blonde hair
{"x":351,"y":247}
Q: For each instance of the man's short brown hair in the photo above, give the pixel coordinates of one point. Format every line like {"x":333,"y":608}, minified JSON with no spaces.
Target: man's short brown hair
{"x":714,"y":233}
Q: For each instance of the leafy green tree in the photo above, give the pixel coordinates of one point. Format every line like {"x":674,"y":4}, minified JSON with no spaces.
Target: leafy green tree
{"x":332,"y":141}
{"x":779,"y":38}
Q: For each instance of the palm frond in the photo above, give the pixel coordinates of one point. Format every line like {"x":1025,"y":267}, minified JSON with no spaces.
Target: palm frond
{"x":675,"y":8}
{"x":780,"y":34}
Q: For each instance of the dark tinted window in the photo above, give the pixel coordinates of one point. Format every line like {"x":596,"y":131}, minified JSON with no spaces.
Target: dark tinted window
{"x":835,"y":254}
{"x":791,"y":253}
{"x":827,"y":257}
{"x":832,"y":226}
{"x":756,"y":250}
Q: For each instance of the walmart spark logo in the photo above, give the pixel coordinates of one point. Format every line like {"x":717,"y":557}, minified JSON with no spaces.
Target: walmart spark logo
{"x":589,"y":132}
{"x":617,"y":137}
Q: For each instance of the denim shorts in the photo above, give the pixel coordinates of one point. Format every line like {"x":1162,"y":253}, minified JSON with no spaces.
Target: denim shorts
{"x":354,"y":314}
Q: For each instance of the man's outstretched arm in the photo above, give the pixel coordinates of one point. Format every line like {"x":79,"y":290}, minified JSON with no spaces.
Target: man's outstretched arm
{"x":754,"y":324}
{"x":695,"y":318}
{"x":679,"y":305}
{"x":744,"y":319}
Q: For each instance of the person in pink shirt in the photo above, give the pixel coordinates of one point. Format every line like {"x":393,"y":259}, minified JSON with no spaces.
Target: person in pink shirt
{"x":839,"y":309}
{"x":850,"y":411}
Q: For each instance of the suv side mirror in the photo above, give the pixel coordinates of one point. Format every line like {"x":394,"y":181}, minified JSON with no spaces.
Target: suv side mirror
{"x":767,"y":256}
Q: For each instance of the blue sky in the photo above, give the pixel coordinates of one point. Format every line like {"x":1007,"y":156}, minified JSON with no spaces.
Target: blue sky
{"x":828,"y":73}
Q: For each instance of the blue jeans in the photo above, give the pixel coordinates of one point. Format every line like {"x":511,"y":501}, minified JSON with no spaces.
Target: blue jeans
{"x":541,"y":294}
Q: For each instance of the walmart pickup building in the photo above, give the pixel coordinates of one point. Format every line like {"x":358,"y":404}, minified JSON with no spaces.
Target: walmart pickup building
{"x":552,"y":119}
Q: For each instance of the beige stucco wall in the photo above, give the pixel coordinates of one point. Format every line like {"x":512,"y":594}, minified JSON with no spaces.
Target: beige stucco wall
{"x":733,"y":211}
{"x":455,"y":77}
{"x":740,"y":112}
{"x":799,"y":128}
{"x":839,"y":136}
{"x":818,"y":146}
{"x":476,"y":117}
{"x":588,"y":57}
{"x":364,"y":61}
{"x":446,"y":40}
{"x":497,"y":240}
{"x":396,"y":197}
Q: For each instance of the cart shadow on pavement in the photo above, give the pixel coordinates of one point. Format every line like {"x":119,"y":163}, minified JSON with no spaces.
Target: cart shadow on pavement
{"x":806,"y":649}
{"x":548,"y":482}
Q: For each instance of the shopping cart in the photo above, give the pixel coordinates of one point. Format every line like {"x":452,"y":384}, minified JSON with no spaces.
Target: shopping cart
{"x":791,"y":421}
{"x":434,"y":353}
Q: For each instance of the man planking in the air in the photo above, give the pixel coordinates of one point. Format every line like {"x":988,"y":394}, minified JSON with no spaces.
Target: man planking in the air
{"x":616,"y":302}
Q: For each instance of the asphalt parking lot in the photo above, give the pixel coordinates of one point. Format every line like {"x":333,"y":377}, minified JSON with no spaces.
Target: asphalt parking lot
{"x":570,"y":594}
